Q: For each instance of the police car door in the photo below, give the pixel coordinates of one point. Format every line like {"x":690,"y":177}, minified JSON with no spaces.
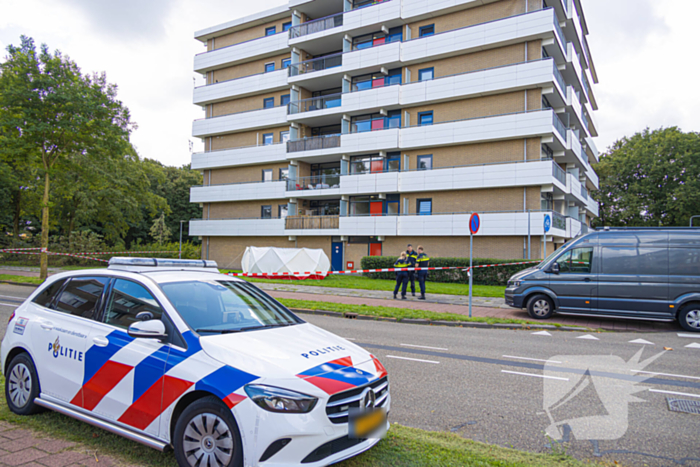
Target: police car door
{"x":124,"y":375}
{"x":59,"y":337}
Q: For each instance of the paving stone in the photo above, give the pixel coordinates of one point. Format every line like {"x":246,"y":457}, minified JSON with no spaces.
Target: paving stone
{"x":22,"y":457}
{"x":54,"y":445}
{"x":103,"y":461}
{"x":6,"y":426}
{"x":16,"y":434}
{"x":19,"y":444}
{"x":66,"y":458}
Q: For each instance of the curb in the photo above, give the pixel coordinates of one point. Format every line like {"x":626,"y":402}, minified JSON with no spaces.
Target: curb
{"x":23,"y":284}
{"x":455,"y":324}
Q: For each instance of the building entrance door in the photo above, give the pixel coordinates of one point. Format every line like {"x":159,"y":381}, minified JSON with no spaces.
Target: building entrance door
{"x":337,"y":256}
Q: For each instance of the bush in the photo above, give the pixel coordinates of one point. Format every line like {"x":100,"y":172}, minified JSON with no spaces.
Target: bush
{"x":486,"y":276}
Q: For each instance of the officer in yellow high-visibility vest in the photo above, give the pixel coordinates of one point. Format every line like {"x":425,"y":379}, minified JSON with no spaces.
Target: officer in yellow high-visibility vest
{"x":423,"y":261}
{"x":412,"y":257}
{"x":401,"y":275}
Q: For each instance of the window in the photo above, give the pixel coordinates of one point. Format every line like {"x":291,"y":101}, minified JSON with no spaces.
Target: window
{"x":49,"y":293}
{"x":81,"y":296}
{"x":424,"y":207}
{"x":129,"y":303}
{"x":635,"y":260}
{"x":545,"y":103}
{"x":425,"y":31}
{"x":374,"y":122}
{"x":286,"y":62}
{"x":284,"y":174}
{"x":287,"y":26}
{"x":284,"y":136}
{"x":425,"y":162}
{"x":270,"y":31}
{"x":269,"y":67}
{"x":267,"y":175}
{"x":282,"y":211}
{"x":267,"y":139}
{"x":425,"y":118}
{"x":266,"y":212}
{"x":268,"y":103}
{"x":392,"y":205}
{"x":576,"y":261}
{"x":366,"y":164}
{"x":426,"y":74}
{"x":284,"y":100}
{"x":393,"y":162}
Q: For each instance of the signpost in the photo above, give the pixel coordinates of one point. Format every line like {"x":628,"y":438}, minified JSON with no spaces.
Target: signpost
{"x":547,"y":227}
{"x":474,"y":225}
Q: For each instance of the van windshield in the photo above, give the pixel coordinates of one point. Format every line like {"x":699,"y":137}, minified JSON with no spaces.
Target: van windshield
{"x":220,"y":307}
{"x":548,"y":259}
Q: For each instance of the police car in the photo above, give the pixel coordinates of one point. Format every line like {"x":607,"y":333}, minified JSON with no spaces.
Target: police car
{"x":174,"y":354}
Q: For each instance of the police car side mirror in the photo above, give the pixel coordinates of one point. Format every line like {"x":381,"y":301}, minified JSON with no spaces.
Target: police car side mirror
{"x":554,"y":269}
{"x":151,"y":329}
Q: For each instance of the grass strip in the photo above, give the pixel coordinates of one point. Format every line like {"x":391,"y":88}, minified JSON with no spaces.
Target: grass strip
{"x":365,"y":283}
{"x":20,"y":279}
{"x":405,"y":447}
{"x":398,"y":313}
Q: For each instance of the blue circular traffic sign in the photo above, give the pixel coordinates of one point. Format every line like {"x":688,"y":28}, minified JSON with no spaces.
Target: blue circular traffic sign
{"x":474,"y":223}
{"x":547,"y":223}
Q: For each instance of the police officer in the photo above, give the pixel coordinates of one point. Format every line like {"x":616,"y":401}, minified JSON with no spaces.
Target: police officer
{"x":423,"y":261}
{"x":401,"y":275}
{"x":412,"y":257}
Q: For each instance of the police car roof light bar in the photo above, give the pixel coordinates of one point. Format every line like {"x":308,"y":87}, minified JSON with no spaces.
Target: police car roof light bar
{"x":163,"y":263}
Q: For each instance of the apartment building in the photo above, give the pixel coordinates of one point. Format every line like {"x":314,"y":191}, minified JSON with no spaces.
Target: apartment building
{"x":359,"y":126}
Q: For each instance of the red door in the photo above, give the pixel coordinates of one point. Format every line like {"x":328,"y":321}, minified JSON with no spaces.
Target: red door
{"x":375,"y":249}
{"x":376,"y":208}
{"x":377,"y":166}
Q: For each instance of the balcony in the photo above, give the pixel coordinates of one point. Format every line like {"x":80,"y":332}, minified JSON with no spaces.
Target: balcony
{"x":236,"y":227}
{"x":254,"y":119}
{"x":312,"y":222}
{"x":314,"y":143}
{"x":246,"y":191}
{"x":317,"y":25}
{"x":593,"y":207}
{"x":241,"y":87}
{"x":261,"y":47}
{"x":237,"y":157}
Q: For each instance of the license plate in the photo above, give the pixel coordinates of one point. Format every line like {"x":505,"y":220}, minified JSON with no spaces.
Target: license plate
{"x":367,"y":424}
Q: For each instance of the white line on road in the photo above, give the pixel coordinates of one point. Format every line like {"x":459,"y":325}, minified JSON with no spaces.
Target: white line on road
{"x":10,"y":296}
{"x":541,"y":333}
{"x":674,"y":393}
{"x":531,"y":359}
{"x":13,"y":305}
{"x":641,"y":342}
{"x":412,"y":359}
{"x":664,"y":374}
{"x":424,"y":347}
{"x":349,"y":338}
{"x":536,"y":376}
{"x":680,"y":334}
{"x":588,"y":337}
{"x":694,"y":345}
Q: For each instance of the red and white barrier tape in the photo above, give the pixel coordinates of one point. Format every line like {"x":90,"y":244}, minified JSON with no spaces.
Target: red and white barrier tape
{"x":356,"y":271}
{"x":55,"y":254}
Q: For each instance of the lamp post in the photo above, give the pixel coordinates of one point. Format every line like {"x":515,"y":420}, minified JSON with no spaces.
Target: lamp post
{"x":179,"y":254}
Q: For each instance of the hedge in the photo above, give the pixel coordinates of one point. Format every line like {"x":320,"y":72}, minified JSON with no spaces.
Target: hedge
{"x":486,"y":276}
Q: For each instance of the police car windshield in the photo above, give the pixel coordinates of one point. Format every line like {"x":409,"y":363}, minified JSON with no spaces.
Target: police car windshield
{"x":225,"y":306}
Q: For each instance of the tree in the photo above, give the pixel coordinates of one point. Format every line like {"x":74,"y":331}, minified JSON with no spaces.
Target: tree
{"x":651,"y":179}
{"x":48,"y":105}
{"x":159,"y":231}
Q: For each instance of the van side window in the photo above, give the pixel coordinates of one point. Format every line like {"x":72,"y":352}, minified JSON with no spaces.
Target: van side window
{"x":576,"y":261}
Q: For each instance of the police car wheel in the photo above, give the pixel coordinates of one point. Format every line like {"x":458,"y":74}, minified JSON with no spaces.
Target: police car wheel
{"x":206,"y":434}
{"x":540,"y":307}
{"x":689,"y":317}
{"x":22,"y":386}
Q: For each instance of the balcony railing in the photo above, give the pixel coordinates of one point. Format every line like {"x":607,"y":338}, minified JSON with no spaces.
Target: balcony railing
{"x":560,"y":79}
{"x":559,"y":32}
{"x":316,"y":103}
{"x":559,"y":125}
{"x":584,"y":191}
{"x":584,"y":228}
{"x":315,"y":182}
{"x":313,"y":143}
{"x":317,"y":64}
{"x":558,"y":221}
{"x":312,"y":222}
{"x":559,"y":173}
{"x":316,"y":25}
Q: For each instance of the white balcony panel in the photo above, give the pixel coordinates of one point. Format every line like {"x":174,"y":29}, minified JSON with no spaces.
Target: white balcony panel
{"x":593,"y":207}
{"x":237,"y":192}
{"x":237,"y":228}
{"x":480,"y":129}
{"x":573,"y":227}
{"x":492,"y":224}
{"x":575,"y":189}
{"x":264,"y":118}
{"x":575,"y":146}
{"x":370,"y":141}
{"x":369,"y":225}
{"x":515,"y":29}
{"x":252,"y":155}
{"x":241,"y":87}
{"x":234,"y":54}
{"x":593,"y":177}
{"x":590,"y":142}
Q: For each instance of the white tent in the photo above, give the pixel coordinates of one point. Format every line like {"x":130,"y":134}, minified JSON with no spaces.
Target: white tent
{"x":295,"y":261}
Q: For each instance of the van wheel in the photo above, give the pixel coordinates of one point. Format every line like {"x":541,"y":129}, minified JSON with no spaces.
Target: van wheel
{"x":206,"y":434}
{"x":689,"y":317}
{"x":540,"y":307}
{"x":22,"y":386}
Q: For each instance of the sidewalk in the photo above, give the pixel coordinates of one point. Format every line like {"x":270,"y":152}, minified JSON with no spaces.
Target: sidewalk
{"x":20,"y":447}
{"x":481,"y":307}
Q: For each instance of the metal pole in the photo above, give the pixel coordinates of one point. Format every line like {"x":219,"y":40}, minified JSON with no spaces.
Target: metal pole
{"x":528,"y":234}
{"x":691,"y":219}
{"x":471,"y":271}
{"x":179,"y":254}
{"x":544,"y":255}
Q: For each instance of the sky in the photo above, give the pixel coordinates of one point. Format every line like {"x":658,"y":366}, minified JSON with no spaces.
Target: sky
{"x":644,"y":52}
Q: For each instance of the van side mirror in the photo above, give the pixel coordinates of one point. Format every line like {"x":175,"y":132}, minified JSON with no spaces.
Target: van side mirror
{"x":151,"y":329}
{"x":554,"y":268}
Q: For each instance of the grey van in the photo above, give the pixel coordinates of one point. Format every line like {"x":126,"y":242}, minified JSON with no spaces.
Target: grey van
{"x":636,"y":273}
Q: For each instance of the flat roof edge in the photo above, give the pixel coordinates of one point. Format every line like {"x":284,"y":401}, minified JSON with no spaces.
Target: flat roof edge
{"x":240,"y":23}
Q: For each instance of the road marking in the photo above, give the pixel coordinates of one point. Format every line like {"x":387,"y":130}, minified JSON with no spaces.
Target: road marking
{"x":536,"y":376}
{"x":412,"y":359}
{"x":349,"y":338}
{"x":541,"y":333}
{"x":680,"y":334}
{"x":664,"y":374}
{"x":674,"y":393}
{"x":531,"y":359}
{"x":641,"y":341}
{"x":694,"y":345}
{"x":424,"y":347}
{"x":10,"y":296}
{"x":588,"y":337}
{"x":13,"y":305}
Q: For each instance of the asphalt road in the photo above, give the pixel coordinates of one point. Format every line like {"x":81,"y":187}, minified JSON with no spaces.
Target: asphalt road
{"x":519,"y":388}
